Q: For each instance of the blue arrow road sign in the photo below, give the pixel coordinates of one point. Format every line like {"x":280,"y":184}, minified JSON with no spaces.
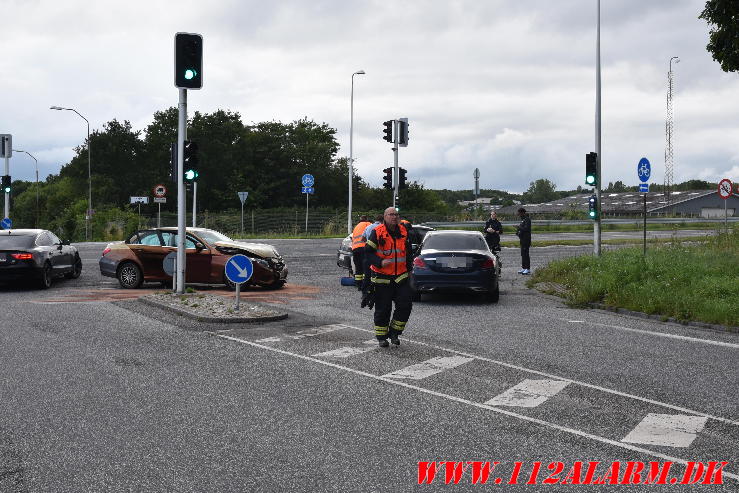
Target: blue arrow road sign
{"x":643,"y":187}
{"x":307,"y":180}
{"x":308,"y":190}
{"x":239,"y":269}
{"x":644,"y":169}
{"x":6,"y":223}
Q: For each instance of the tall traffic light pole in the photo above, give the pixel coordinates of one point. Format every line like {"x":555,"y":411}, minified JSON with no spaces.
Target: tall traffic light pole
{"x":396,"y":173}
{"x":596,"y":225}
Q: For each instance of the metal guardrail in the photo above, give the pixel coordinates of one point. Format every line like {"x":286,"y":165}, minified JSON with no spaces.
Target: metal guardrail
{"x":551,"y":222}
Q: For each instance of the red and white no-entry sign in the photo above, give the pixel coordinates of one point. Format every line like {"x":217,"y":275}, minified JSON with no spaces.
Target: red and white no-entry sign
{"x":160,"y":191}
{"x":725,"y":187}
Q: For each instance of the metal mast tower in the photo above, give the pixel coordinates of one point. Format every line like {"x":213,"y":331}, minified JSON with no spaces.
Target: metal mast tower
{"x":669,"y":134}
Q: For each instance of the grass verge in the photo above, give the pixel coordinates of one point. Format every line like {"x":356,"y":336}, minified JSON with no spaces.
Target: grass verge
{"x":695,"y":282}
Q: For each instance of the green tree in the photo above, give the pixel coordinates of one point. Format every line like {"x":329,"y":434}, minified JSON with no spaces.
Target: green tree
{"x":723,"y":18}
{"x":541,"y":190}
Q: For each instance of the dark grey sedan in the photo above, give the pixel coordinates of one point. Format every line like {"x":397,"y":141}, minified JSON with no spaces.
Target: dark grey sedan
{"x":38,"y":256}
{"x":456,"y":261}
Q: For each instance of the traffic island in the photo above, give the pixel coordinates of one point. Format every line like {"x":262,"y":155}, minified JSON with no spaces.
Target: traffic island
{"x":212,"y":308}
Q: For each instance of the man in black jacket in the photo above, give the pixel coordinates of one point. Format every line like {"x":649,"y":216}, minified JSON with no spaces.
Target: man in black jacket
{"x":523,"y":231}
{"x":493,"y":228}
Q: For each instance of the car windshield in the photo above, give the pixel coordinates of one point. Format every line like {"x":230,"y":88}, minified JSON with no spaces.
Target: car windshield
{"x":454,"y":242}
{"x":211,"y":237}
{"x":8,"y":242}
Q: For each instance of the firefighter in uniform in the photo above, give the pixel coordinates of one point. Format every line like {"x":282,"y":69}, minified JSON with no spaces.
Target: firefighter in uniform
{"x":358,"y":243}
{"x":388,"y":253}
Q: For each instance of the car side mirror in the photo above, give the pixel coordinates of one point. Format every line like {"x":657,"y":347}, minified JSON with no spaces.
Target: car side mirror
{"x":65,"y":242}
{"x":199,"y":246}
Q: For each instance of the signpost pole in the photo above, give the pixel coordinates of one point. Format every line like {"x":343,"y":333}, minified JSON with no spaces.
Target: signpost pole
{"x":238,"y":296}
{"x":194,"y":201}
{"x":726,"y":216}
{"x":645,"y":224}
{"x":159,"y":214}
{"x":242,"y":217}
{"x":306,"y":211}
{"x":181,"y":210}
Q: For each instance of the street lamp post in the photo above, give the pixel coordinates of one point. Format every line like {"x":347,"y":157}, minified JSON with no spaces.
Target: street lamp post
{"x":32,"y":157}
{"x":89,"y":174}
{"x":351,"y":154}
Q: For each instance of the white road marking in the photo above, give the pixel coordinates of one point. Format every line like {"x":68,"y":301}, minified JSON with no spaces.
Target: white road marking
{"x":345,"y":352}
{"x":529,"y":393}
{"x":671,"y":430}
{"x":577,"y":382}
{"x":478,"y":405}
{"x":270,"y":339}
{"x":669,"y":336}
{"x":428,"y":367}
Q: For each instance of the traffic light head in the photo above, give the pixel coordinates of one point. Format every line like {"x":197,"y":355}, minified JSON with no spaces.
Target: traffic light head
{"x":173,"y":161}
{"x":403,"y":132}
{"x":388,"y":178}
{"x":388,"y":131}
{"x":6,"y":183}
{"x":401,"y":178}
{"x":191,"y":175}
{"x":593,"y":207}
{"x":188,"y":61}
{"x":591,"y":169}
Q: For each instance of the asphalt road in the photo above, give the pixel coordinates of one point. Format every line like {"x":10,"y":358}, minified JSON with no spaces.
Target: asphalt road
{"x":106,"y":395}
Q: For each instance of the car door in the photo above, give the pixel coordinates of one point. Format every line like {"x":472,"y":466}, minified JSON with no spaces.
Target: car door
{"x":198,"y":261}
{"x":64,"y":257}
{"x":54,"y":255}
{"x":150,"y":253}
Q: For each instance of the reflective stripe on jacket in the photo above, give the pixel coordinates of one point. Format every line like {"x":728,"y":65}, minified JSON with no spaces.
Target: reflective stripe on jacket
{"x":389,"y":248}
{"x":358,"y":241}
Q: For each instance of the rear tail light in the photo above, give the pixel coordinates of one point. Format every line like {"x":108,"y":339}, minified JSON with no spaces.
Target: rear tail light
{"x":22,"y":256}
{"x":105,"y":251}
{"x":488,"y":264}
{"x":418,"y":263}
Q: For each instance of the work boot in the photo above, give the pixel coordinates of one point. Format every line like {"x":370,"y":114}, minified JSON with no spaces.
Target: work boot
{"x":395,"y":340}
{"x":384,"y":343}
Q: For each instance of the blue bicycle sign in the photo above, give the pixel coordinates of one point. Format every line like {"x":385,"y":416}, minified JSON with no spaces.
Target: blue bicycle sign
{"x":644,"y":169}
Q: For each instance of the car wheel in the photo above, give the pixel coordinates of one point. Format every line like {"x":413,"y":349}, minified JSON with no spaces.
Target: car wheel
{"x":76,"y":268}
{"x":494,"y":295}
{"x":130,"y":276}
{"x":45,"y":276}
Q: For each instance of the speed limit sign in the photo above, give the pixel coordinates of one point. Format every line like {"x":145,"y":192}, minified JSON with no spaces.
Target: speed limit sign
{"x":160,"y":191}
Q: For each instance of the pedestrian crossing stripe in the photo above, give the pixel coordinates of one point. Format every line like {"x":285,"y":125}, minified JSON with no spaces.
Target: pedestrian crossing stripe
{"x":670,"y":430}
{"x":529,"y":393}
{"x":429,"y":367}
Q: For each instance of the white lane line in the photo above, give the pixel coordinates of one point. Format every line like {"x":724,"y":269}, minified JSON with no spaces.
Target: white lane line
{"x":428,"y":367}
{"x":301,"y":334}
{"x":346,"y":351}
{"x":270,"y":339}
{"x":577,"y":382}
{"x":529,"y":393}
{"x":478,"y":405}
{"x":670,"y":430}
{"x":669,"y":336}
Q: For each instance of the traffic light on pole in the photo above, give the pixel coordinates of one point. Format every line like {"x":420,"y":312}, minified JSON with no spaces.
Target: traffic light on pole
{"x":190,"y":161}
{"x":593,"y":207}
{"x":403,"y":132}
{"x":388,"y":131}
{"x":388,"y":178}
{"x":591,"y":169}
{"x":401,"y":178}
{"x":188,"y":61}
{"x":6,"y":183}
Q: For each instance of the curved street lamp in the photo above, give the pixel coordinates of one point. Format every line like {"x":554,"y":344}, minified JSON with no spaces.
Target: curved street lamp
{"x":35,"y":224}
{"x":351,"y":154}
{"x":89,"y":174}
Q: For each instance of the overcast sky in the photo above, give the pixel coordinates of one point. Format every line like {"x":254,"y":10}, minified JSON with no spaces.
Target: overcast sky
{"x":501,"y":85}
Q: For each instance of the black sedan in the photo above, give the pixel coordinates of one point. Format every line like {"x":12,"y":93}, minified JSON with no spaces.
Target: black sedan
{"x":38,"y":256}
{"x":456,"y":261}
{"x":344,"y":255}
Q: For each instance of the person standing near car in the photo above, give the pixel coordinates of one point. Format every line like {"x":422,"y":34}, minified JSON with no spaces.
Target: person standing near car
{"x":523,"y":231}
{"x":358,"y":243}
{"x":493,"y":229}
{"x":388,"y":253}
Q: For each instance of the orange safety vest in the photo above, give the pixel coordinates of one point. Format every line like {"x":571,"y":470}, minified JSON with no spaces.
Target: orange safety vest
{"x":357,"y":241}
{"x":391,"y":248}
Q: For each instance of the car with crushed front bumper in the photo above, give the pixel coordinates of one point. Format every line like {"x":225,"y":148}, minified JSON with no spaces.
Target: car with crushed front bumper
{"x":140,"y":258}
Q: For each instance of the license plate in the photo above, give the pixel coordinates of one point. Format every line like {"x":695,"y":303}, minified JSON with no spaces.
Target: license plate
{"x":454,"y":262}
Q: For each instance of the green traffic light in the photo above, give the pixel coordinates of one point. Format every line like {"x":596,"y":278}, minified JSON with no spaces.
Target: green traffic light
{"x":592,"y":214}
{"x":190,"y":74}
{"x":7,"y":189}
{"x":190,"y":174}
{"x":590,"y":179}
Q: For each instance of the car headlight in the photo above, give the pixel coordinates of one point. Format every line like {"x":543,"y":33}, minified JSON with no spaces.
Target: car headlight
{"x":346,"y":244}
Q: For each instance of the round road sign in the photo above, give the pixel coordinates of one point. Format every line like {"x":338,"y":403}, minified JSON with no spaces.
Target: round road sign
{"x":725,"y":187}
{"x":307,"y":180}
{"x":169,"y":262}
{"x":160,"y":191}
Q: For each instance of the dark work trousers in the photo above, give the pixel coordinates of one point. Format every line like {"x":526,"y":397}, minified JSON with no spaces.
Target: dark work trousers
{"x":525,"y":259}
{"x":385,"y":294}
{"x":493,"y":241}
{"x":358,"y":265}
